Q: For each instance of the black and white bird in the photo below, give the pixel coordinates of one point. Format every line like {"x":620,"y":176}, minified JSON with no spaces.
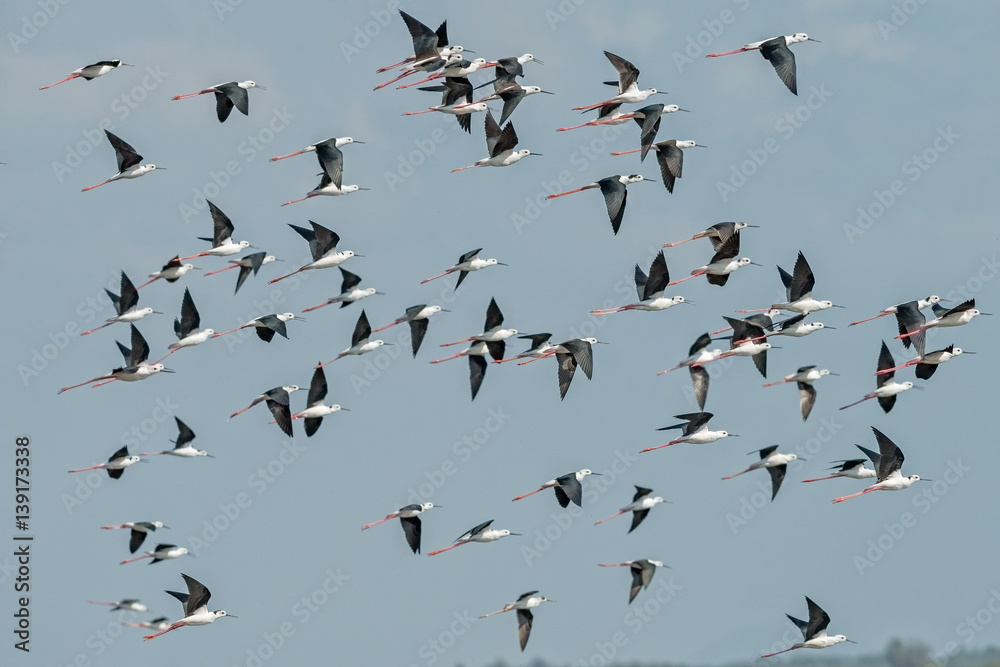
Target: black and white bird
{"x":417,"y":317}
{"x":642,"y":502}
{"x":889,"y":465}
{"x":523,"y":605}
{"x":775,"y":50}
{"x":650,"y":289}
{"x":886,"y":387}
{"x":813,"y":631}
{"x":90,"y":72}
{"x":774,"y":462}
{"x":246,"y":265}
{"x":568,"y":487}
{"x":804,"y":378}
{"x":129,"y":162}
{"x":227,"y":95}
{"x":195,"y":603}
{"x":137,"y":531}
{"x":409,"y":518}
{"x":115,"y":464}
{"x":182,"y":445}
{"x":642,"y":573}
{"x":277,"y":402}
{"x":694,"y":430}
{"x":126,"y":305}
{"x":349,"y":291}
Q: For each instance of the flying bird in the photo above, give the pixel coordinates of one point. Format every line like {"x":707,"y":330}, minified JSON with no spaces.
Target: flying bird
{"x":129,"y":162}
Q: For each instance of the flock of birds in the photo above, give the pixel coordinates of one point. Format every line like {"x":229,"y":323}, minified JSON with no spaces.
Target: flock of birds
{"x":446,"y":66}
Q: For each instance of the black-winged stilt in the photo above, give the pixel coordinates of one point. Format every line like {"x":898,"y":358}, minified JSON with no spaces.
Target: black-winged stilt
{"x":128,"y":162}
{"x":195,"y":603}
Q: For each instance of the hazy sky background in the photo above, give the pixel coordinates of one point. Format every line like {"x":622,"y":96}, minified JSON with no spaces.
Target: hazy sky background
{"x":879,"y":98}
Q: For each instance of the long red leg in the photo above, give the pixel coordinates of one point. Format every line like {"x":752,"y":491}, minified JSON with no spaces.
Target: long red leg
{"x":529,"y":494}
{"x":853,"y":495}
{"x":69,"y":78}
{"x":441,"y":551}
{"x":174,"y":626}
{"x":610,"y":517}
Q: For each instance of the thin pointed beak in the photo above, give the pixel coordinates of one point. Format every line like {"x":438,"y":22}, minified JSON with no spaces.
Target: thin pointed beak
{"x":384,"y":343}
{"x":156,"y":312}
{"x":538,"y":61}
{"x":197,"y":268}
{"x":382,"y":293}
{"x":357,"y":255}
{"x":161,"y":167}
{"x":545,"y":91}
{"x":601,"y":342}
{"x":126,"y":65}
{"x":530,"y":154}
{"x":209,"y":456}
{"x":228,"y":615}
{"x":300,"y":319}
{"x":596,"y":473}
{"x":700,"y":146}
{"x":981,"y":313}
{"x":346,"y":409}
{"x":826,"y":327}
{"x":810,"y":39}
{"x":836,"y":306}
{"x":849,"y":640}
{"x":916,"y":387}
{"x":166,"y":370}
{"x":832,"y":373}
{"x":684,"y":110}
{"x":689,"y":301}
{"x":516,"y":534}
{"x":254,"y":247}
{"x":756,"y":264}
{"x":260,"y":86}
{"x":924,"y":479}
{"x":502,"y":264}
{"x":358,"y":142}
{"x":967,"y":352}
{"x":277,"y":260}
{"x":445,"y":310}
{"x":469,"y":51}
{"x":364,"y":188}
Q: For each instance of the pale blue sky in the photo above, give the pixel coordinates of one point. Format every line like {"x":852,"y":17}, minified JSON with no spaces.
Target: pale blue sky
{"x":870,"y":100}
